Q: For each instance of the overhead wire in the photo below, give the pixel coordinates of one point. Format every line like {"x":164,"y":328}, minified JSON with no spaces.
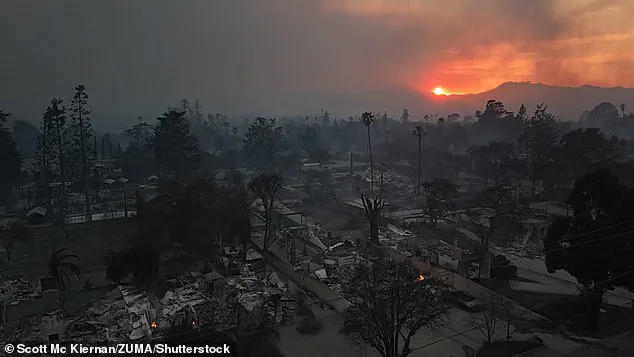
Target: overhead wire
{"x":197,"y":332}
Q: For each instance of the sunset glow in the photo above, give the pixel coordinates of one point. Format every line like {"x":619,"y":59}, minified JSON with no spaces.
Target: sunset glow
{"x":567,"y":48}
{"x":317,"y":53}
{"x":439,"y":91}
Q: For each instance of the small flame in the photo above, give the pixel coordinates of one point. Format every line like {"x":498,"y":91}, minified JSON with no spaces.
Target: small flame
{"x":193,"y":323}
{"x":153,"y":324}
{"x":421,"y":277}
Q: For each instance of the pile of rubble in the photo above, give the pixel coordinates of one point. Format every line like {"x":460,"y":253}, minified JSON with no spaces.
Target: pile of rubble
{"x":269,"y":298}
{"x":129,"y":314}
{"x":18,"y":289}
{"x":122,"y":315}
{"x":14,"y":293}
{"x":106,"y":320}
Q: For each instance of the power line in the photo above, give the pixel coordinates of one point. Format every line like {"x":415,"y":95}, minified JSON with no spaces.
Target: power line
{"x":591,"y":232}
{"x":598,"y":283}
{"x":440,"y":276}
{"x":197,"y":333}
{"x":449,"y":272}
{"x":474,"y":328}
{"x":574,"y":245}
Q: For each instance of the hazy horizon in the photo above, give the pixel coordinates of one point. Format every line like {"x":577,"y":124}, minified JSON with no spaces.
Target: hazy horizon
{"x":236,"y":57}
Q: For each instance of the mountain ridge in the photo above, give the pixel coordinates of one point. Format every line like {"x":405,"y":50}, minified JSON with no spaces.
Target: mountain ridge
{"x":567,"y":103}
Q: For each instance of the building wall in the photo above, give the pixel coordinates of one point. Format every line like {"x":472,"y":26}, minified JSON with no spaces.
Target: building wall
{"x":51,"y":325}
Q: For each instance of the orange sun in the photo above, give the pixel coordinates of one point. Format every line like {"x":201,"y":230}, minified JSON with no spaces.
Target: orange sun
{"x":439,"y":91}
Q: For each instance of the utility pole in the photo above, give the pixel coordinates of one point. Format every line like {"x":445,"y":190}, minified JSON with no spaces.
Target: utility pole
{"x":125,"y":200}
{"x":378,"y":219}
{"x":381,"y":181}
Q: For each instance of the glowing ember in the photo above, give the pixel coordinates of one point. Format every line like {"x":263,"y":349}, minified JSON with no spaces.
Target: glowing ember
{"x":153,"y":324}
{"x":421,"y":277}
{"x":193,"y":323}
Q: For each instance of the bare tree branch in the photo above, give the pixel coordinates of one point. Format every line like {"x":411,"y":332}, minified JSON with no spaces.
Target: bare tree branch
{"x":390,"y":304}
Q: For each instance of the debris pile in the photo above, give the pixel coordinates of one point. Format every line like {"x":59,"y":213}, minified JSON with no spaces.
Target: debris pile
{"x":269,"y":298}
{"x":108,"y":319}
{"x":18,"y":289}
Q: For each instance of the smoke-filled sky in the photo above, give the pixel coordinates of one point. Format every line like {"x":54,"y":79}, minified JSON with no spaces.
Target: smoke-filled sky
{"x":136,"y":55}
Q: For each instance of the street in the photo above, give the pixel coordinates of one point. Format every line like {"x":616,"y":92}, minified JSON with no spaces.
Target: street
{"x":445,"y":341}
{"x":559,"y":282}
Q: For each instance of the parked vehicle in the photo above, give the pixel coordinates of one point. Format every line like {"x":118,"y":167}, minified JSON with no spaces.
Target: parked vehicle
{"x":464,"y":300}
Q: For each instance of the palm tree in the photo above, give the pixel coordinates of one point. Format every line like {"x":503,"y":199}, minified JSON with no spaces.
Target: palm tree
{"x":372,"y":204}
{"x":419,"y":133}
{"x":61,"y":266}
{"x":367,"y":119}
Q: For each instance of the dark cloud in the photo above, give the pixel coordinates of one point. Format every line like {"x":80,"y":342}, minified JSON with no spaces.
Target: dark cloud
{"x":238,"y":56}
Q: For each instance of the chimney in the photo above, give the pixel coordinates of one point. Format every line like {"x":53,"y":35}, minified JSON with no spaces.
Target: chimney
{"x":462,"y":268}
{"x":50,"y":299}
{"x":485,"y":266}
{"x":139,"y":199}
{"x":307,"y":267}
{"x":49,"y":293}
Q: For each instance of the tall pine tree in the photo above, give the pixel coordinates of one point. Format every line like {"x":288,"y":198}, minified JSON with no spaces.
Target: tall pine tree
{"x":10,"y":160}
{"x":56,"y":113}
{"x":81,"y":131}
{"x":45,"y":157}
{"x":176,"y":149}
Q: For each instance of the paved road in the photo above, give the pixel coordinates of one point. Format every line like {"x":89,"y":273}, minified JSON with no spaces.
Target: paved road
{"x":445,"y":341}
{"x":327,"y":342}
{"x":559,"y":282}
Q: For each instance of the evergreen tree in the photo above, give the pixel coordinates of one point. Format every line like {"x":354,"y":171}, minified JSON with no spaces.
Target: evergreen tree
{"x":139,"y":133}
{"x":263,"y":144}
{"x":81,"y":131}
{"x":45,"y":156}
{"x":56,"y":113}
{"x":176,"y":149}
{"x":405,"y":116}
{"x":10,"y":160}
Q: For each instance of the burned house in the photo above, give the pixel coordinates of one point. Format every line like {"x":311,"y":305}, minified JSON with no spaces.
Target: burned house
{"x":37,"y":316}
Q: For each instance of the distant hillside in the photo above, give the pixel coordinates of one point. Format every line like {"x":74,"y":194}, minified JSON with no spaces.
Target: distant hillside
{"x":568,"y":103}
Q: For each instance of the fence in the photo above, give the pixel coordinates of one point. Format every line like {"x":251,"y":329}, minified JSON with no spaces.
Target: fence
{"x":75,"y":219}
